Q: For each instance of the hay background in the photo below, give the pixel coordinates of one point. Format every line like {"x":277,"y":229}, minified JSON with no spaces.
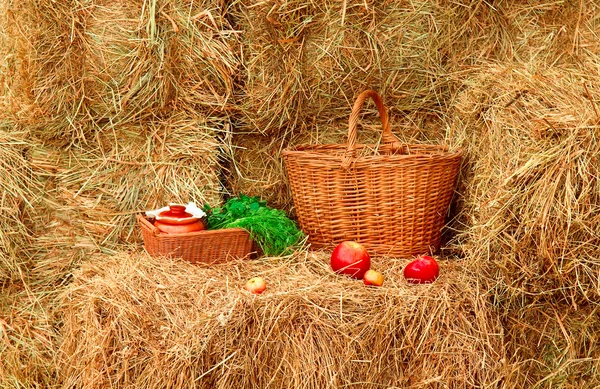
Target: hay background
{"x":555,"y":344}
{"x":77,"y":68}
{"x":306,"y":61}
{"x":84,"y":97}
{"x":29,"y":340}
{"x":303,"y":65}
{"x":44,"y":75}
{"x":91,"y":195}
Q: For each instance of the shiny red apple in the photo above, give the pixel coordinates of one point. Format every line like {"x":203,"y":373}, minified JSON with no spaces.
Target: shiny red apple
{"x":255,"y":285}
{"x":350,"y":258}
{"x":423,"y":270}
{"x":373,"y":278}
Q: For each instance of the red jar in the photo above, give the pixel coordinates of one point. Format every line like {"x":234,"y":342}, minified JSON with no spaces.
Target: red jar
{"x":177,"y":221}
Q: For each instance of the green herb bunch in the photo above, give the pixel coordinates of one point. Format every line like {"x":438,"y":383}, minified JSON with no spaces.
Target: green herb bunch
{"x":270,"y":228}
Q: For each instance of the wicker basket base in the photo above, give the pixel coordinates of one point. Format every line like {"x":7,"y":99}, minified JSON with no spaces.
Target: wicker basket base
{"x":210,"y":246}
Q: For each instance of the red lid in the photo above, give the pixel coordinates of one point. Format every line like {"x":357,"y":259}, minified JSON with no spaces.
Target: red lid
{"x":177,"y":215}
{"x":176,"y":212}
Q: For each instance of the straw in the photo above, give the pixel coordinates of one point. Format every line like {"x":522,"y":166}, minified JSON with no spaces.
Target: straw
{"x":77,"y":69}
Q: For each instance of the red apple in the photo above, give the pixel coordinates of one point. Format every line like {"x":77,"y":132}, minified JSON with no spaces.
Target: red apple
{"x":373,"y":278}
{"x":350,"y":258}
{"x":256,"y":285}
{"x":423,"y":270}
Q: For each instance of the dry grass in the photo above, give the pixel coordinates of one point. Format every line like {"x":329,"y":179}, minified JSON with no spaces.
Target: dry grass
{"x":531,"y":203}
{"x":76,"y":68}
{"x":160,"y":55}
{"x":110,"y":101}
{"x":305,"y":61}
{"x":256,"y":169}
{"x":5,"y":50}
{"x":44,"y":73}
{"x":132,"y":321}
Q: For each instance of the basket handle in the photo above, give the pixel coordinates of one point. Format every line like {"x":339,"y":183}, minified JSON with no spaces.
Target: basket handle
{"x":388,"y":138}
{"x":147,"y":225}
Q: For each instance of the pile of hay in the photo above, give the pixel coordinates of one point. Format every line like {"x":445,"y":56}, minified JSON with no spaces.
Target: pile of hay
{"x":44,"y":68}
{"x":131,"y":320}
{"x":305,"y":61}
{"x":125,"y":106}
{"x":78,"y":68}
{"x":5,"y":50}
{"x":472,"y":32}
{"x":109,"y":108}
{"x":529,"y":213}
{"x":532,"y":196}
{"x":159,"y":56}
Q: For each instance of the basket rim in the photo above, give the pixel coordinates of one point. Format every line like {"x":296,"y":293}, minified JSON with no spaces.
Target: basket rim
{"x":438,"y":152}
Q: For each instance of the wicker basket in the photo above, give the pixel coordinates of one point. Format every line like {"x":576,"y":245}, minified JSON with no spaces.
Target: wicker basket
{"x":391,"y":198}
{"x":209,"y":246}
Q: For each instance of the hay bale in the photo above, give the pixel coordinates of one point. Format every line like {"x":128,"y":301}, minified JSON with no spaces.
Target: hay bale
{"x":44,"y":77}
{"x":553,"y":346}
{"x":145,"y":60}
{"x":77,"y":70}
{"x":532,"y":190}
{"x":256,"y":169}
{"x":92,"y":195}
{"x":131,"y":320}
{"x":307,"y":61}
{"x":472,"y":32}
{"x":557,"y":34}
{"x":5,"y":52}
{"x":18,"y":188}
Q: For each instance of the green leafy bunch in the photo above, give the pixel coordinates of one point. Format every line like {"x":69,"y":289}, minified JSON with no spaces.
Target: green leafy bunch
{"x":270,"y":228}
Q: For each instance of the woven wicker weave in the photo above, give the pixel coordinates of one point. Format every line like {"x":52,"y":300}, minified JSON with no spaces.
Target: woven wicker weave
{"x":209,"y":246}
{"x":393,"y":199}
